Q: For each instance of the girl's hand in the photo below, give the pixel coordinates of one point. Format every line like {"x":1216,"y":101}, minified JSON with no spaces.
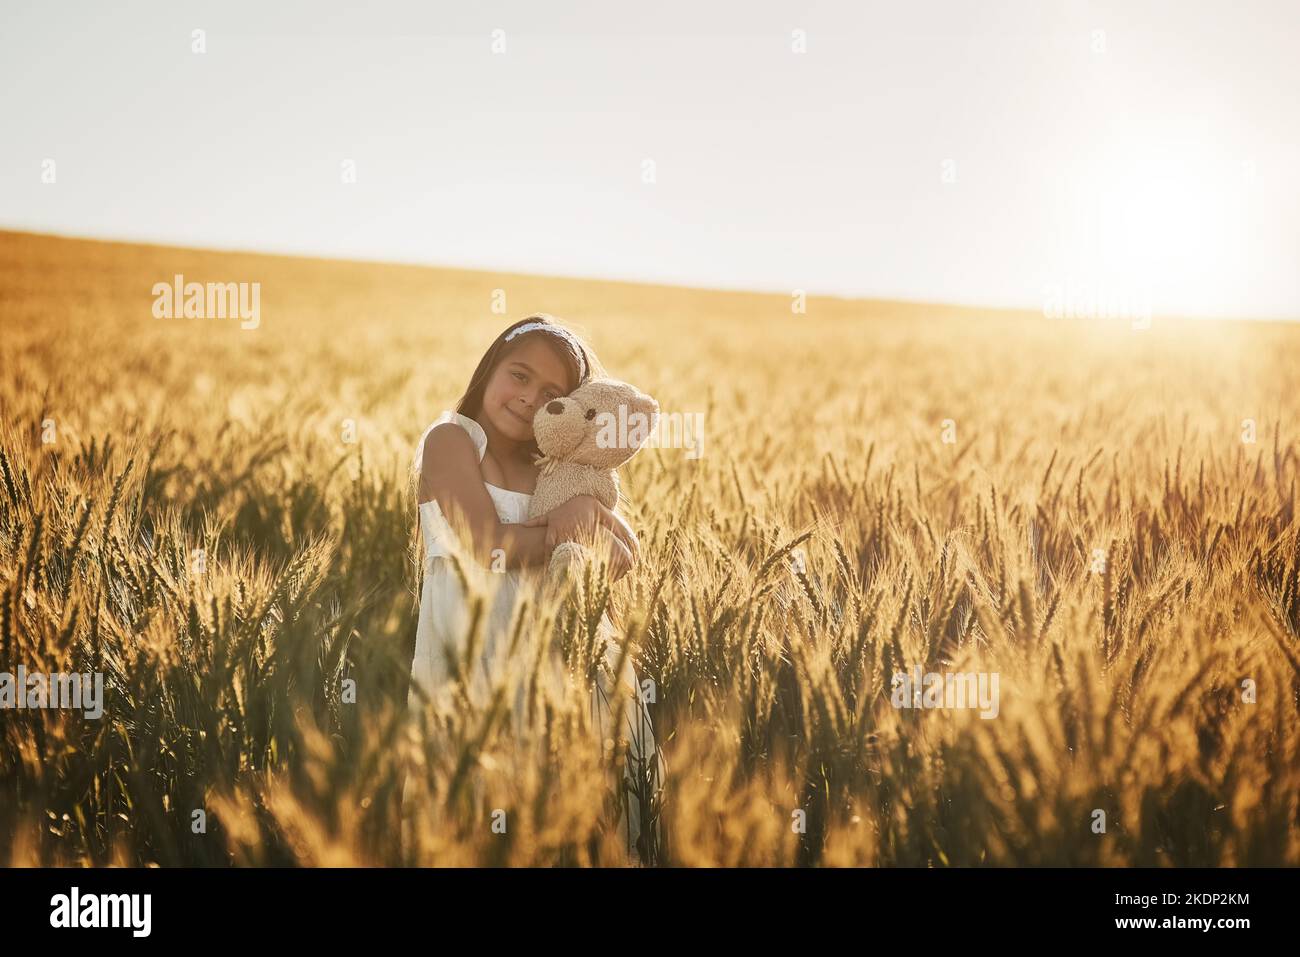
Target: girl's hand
{"x":582,"y":516}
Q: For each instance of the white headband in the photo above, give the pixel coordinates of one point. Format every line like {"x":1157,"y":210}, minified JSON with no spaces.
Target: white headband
{"x":555,"y":331}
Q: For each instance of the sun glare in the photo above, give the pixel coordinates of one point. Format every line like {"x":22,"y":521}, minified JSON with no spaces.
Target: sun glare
{"x":1164,"y":226}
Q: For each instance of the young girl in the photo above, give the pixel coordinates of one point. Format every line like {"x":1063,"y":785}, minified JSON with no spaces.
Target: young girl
{"x":474,"y":467}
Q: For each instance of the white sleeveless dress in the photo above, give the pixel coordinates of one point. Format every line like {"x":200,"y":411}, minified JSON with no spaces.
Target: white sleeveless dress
{"x":444,"y":624}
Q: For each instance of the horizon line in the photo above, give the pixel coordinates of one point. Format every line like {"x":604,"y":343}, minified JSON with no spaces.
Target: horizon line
{"x":883,"y":298}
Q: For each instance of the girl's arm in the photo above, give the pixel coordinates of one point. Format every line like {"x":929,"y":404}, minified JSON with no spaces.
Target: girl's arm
{"x":450,"y":474}
{"x":582,"y":514}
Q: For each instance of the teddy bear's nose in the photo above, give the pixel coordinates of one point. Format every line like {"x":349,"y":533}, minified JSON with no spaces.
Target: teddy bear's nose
{"x":555,"y":407}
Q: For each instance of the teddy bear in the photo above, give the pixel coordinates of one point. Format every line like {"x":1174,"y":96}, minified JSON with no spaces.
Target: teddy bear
{"x":583,"y":438}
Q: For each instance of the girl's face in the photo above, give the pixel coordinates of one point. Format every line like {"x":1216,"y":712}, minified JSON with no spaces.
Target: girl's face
{"x":523,"y":382}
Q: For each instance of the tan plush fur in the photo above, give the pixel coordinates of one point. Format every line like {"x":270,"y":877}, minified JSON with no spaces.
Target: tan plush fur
{"x":584,"y":437}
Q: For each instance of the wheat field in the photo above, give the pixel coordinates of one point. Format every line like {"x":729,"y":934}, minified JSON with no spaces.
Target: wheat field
{"x":1102,"y":516}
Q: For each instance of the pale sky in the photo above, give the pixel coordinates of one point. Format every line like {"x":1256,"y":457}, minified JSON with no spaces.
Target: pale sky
{"x":953,"y":151}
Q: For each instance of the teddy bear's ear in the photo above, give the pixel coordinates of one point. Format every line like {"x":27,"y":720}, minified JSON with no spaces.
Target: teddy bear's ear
{"x":644,"y":403}
{"x":642,"y":414}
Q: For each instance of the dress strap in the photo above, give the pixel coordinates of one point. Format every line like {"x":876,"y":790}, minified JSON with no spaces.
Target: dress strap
{"x":465,"y":422}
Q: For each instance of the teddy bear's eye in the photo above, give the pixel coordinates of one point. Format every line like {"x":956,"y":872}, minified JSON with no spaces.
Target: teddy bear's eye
{"x":591,"y":414}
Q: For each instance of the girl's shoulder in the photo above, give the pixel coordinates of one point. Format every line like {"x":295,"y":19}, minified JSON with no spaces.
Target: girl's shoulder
{"x":450,"y":417}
